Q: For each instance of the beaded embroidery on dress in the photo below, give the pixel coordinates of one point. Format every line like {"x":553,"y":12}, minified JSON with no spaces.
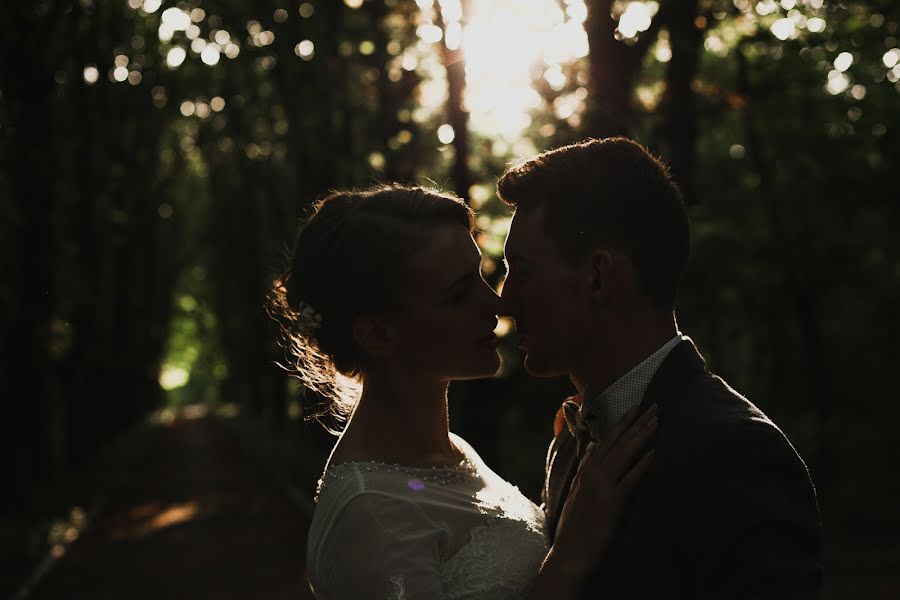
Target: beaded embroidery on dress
{"x":402,"y":533}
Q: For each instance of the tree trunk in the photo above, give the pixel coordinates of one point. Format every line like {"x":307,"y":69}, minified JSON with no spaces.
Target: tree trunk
{"x":614,"y":66}
{"x":457,"y":115}
{"x":680,"y":125}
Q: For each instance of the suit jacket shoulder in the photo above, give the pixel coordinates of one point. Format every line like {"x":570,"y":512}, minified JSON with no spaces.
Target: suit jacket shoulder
{"x":727,"y":508}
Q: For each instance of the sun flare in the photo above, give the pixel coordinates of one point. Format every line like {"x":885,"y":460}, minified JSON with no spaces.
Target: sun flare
{"x":506,"y":43}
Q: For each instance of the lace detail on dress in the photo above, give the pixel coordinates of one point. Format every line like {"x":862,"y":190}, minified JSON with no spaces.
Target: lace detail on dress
{"x":486,"y":568}
{"x":398,"y":588}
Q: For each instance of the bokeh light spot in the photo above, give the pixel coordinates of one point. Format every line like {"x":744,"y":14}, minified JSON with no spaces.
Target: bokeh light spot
{"x":445,"y":133}
{"x":784,"y":29}
{"x":210,"y":55}
{"x":90,"y":74}
{"x":172,"y":377}
{"x":843,"y":61}
{"x":305,"y":49}
{"x":176,"y":18}
{"x":636,"y":19}
{"x":837,"y":82}
{"x":175,"y":57}
{"x":815,"y":25}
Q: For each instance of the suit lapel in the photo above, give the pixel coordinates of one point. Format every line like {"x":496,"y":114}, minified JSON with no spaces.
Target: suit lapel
{"x":682,"y":364}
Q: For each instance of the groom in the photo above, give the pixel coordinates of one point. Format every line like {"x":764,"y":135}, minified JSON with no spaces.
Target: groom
{"x":595,"y":251}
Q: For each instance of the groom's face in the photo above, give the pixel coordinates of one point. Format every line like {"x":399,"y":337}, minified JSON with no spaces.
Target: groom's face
{"x":545,"y":295}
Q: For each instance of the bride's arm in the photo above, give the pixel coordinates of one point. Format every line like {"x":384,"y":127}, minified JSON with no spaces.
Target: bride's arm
{"x":605,"y":479}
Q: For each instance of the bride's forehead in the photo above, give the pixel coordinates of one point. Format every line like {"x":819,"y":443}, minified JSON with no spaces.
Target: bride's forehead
{"x":448,"y":249}
{"x":450,"y":243}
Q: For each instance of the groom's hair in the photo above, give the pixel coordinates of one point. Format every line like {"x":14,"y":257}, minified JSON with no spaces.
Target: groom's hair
{"x":611,"y":192}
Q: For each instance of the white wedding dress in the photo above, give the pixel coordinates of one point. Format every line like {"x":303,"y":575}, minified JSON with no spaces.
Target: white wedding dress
{"x":389,"y":532}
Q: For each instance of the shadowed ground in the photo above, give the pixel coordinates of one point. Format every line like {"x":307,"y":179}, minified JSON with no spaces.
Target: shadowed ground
{"x":199,"y":519}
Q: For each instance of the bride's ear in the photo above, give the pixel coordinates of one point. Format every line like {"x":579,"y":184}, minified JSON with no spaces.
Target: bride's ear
{"x":372,"y":335}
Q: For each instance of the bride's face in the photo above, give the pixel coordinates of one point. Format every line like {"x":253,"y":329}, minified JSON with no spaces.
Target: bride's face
{"x":445,"y":327}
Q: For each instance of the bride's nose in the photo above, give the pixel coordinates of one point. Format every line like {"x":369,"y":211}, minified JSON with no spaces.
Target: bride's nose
{"x":492,"y":302}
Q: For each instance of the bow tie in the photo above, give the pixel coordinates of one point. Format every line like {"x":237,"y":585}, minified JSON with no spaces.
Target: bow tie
{"x":578,"y":421}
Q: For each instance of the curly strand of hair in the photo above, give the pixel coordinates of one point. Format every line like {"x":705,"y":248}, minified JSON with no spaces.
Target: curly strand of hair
{"x":314,"y":370}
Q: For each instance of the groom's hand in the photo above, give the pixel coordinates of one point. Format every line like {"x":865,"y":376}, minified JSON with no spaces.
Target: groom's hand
{"x":604,"y":480}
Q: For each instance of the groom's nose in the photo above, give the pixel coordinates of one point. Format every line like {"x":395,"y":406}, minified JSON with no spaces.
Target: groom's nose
{"x":508,"y":300}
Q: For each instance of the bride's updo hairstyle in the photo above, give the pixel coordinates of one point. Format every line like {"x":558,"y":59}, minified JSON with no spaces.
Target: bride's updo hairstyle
{"x":351,"y":258}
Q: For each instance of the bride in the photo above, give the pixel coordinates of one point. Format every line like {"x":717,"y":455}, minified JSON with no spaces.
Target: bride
{"x":385,"y":287}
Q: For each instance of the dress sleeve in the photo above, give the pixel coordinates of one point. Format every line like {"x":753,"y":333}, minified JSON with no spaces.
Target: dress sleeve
{"x":380,"y":547}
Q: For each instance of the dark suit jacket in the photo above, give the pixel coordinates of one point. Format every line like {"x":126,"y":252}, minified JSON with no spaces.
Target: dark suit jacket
{"x":726,"y":510}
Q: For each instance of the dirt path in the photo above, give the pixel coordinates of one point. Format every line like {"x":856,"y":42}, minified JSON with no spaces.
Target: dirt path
{"x":199,"y":519}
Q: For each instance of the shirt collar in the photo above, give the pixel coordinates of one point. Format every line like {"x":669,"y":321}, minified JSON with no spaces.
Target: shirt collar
{"x":628,"y":390}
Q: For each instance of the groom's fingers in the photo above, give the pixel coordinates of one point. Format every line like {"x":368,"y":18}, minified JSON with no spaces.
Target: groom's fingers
{"x":633,"y":476}
{"x":591,"y":455}
{"x":608,"y":459}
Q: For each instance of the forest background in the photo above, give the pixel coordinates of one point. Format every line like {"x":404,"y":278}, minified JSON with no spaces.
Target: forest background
{"x":157,"y":157}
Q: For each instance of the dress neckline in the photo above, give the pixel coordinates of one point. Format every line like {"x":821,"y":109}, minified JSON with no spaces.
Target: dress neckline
{"x":464,"y":462}
{"x":442,"y":475}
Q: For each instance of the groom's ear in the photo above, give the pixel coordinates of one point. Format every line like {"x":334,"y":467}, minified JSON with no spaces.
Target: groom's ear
{"x":602,"y":275}
{"x":372,"y":334}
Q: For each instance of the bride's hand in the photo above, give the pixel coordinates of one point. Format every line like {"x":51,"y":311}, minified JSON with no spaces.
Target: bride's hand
{"x":605,"y":478}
